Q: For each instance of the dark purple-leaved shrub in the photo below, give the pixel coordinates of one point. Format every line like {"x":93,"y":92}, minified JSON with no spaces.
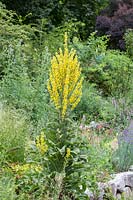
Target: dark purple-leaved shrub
{"x":103,"y":23}
{"x":115,"y":23}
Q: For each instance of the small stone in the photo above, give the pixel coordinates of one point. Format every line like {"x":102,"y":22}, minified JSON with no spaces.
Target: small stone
{"x":117,"y":184}
{"x":118,"y":196}
{"x":128,"y":178}
{"x":113,"y":187}
{"x":93,"y":124}
{"x":101,"y":187}
{"x":127,"y":192}
{"x":89,"y":194}
{"x":131,"y":168}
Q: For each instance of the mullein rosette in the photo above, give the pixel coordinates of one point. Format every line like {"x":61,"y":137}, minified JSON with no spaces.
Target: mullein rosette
{"x":65,"y":81}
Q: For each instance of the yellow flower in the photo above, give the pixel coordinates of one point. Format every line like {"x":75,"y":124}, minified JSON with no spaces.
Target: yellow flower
{"x":68,"y":153}
{"x":21,"y":169}
{"x":41,"y":143}
{"x":65,"y":82}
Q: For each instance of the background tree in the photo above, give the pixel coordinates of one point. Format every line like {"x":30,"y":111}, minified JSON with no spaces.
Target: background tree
{"x":56,"y":12}
{"x":115,"y":20}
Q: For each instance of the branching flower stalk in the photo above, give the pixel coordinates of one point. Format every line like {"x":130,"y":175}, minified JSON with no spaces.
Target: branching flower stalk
{"x":65,"y":81}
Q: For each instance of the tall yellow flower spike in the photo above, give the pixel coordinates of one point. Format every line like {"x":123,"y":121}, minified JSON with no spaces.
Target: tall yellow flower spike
{"x":65,"y":82}
{"x":68,"y":153}
{"x":41,"y":143}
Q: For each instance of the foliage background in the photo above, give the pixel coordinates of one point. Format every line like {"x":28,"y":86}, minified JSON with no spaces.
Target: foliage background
{"x":30,"y":34}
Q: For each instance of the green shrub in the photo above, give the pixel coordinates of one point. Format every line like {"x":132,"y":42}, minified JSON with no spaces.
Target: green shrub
{"x":12,"y":32}
{"x":90,"y":102}
{"x":116,"y":73}
{"x":94,"y":106}
{"x":12,"y":29}
{"x":90,"y":51}
{"x":129,"y":42}
{"x":53,"y":39}
{"x":13,"y":135}
{"x":23,"y":84}
{"x":112,"y":74}
{"x":110,"y":70}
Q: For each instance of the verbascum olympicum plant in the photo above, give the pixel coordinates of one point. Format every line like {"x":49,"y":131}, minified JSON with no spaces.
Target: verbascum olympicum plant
{"x":65,"y":81}
{"x":68,"y":153}
{"x":41,"y":143}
